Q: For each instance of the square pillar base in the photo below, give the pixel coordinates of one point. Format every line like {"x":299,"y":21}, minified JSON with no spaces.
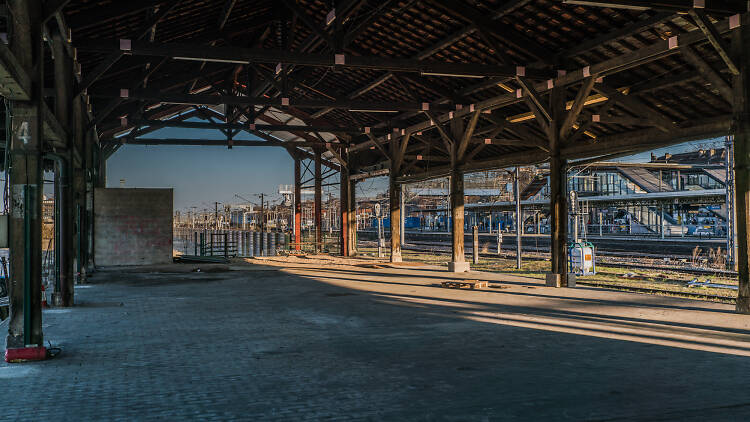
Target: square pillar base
{"x":396,"y":258}
{"x":458,"y":267}
{"x":553,"y":280}
{"x":25,"y":354}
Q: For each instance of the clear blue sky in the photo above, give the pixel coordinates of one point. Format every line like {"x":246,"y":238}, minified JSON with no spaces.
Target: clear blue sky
{"x":201,"y":175}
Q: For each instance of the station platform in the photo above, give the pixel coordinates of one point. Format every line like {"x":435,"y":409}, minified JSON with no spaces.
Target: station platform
{"x":348,"y":339}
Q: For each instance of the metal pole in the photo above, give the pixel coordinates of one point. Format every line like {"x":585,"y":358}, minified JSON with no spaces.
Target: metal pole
{"x":661,"y":220}
{"x":402,"y":215}
{"x":519,"y":218}
{"x":475,"y":244}
{"x":729,"y":189}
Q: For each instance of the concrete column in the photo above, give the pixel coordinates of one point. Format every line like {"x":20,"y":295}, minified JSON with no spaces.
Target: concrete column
{"x":297,"y":204}
{"x":394,"y":192}
{"x":458,"y":262}
{"x":63,"y":167}
{"x":741,"y":87}
{"x":26,"y":185}
{"x":318,"y":202}
{"x":344,"y":211}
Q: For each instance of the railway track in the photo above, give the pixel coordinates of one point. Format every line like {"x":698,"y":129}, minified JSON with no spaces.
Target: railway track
{"x":660,"y":292}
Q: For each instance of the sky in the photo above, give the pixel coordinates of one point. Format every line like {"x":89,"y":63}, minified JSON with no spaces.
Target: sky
{"x":201,"y":175}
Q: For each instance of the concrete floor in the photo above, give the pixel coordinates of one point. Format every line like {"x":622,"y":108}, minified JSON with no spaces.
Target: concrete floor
{"x":319,"y":339}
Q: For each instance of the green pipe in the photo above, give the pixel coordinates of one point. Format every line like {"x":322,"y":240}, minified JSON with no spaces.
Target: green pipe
{"x":79,"y":264}
{"x":26,"y":268}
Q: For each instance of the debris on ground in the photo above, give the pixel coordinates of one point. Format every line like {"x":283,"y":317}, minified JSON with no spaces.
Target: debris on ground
{"x":464,"y":284}
{"x":199,"y":258}
{"x":695,"y":283}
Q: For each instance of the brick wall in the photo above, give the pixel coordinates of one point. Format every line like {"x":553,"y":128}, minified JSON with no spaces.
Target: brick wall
{"x":132,"y":226}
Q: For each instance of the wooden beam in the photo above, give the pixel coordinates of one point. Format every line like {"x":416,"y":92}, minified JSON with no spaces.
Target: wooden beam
{"x":112,"y":58}
{"x":636,"y":106}
{"x":238,"y":55}
{"x":213,"y":99}
{"x":226,"y":10}
{"x":304,"y":17}
{"x":15,"y":83}
{"x":713,"y":36}
{"x":575,"y":110}
{"x":53,"y":7}
{"x":468,"y":133}
{"x":705,"y":69}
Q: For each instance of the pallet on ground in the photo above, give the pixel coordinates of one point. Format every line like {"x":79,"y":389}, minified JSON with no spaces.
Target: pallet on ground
{"x":464,"y":284}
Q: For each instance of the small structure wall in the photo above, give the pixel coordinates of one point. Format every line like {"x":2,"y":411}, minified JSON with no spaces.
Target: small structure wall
{"x":132,"y":226}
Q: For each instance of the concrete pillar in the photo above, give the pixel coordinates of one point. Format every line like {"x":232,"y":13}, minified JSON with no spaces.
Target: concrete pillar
{"x":394,"y":192}
{"x":741,"y":87}
{"x":63,"y":168}
{"x":26,"y":186}
{"x":297,"y":204}
{"x":458,"y":262}
{"x":318,"y":202}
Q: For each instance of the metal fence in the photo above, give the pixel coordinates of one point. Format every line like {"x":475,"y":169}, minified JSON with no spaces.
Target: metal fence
{"x":229,"y":243}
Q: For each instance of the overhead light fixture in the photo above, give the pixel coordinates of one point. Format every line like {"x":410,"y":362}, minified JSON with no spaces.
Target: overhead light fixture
{"x":372,"y":111}
{"x":613,"y":5}
{"x":196,"y":59}
{"x":451,"y":75}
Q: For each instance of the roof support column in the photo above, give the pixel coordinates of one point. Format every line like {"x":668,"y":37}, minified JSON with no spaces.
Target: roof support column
{"x":318,"y":203}
{"x":558,"y":194}
{"x":458,"y":260}
{"x":25,"y":338}
{"x":352,"y":226}
{"x":344,"y":210}
{"x":90,"y":177}
{"x":741,"y":90}
{"x":394,"y":192}
{"x":297,"y":203}
{"x":79,"y":184}
{"x":63,"y":167}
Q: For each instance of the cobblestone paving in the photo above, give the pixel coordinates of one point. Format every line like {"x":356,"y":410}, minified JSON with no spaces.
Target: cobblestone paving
{"x":267,"y":345}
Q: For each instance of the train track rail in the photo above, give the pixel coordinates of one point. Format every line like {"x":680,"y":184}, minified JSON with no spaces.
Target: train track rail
{"x":536,"y":255}
{"x":660,"y":292}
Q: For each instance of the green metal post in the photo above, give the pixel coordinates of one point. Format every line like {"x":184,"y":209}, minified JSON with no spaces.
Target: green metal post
{"x":26,"y":267}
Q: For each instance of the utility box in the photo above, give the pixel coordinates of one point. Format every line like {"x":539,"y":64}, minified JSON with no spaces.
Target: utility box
{"x":4,"y":231}
{"x":581,"y":259}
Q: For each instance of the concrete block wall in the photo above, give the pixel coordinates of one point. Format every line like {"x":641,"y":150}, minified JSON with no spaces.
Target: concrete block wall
{"x":132,"y":226}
